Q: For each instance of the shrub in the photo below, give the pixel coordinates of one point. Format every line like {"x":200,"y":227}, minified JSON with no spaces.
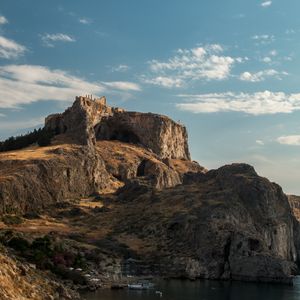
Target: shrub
{"x":12,"y":220}
{"x":40,"y":136}
{"x":19,"y":244}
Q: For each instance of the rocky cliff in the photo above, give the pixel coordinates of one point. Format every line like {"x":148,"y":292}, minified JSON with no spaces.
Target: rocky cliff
{"x":90,"y":119}
{"x":122,"y":184}
{"x":226,"y":224}
{"x":162,"y":135}
{"x":75,"y":165}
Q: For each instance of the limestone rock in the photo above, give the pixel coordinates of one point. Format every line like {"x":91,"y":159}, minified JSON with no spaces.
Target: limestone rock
{"x":228,"y":224}
{"x":89,"y":119}
{"x":162,"y":135}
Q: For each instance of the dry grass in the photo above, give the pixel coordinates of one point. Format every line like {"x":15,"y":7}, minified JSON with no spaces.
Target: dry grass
{"x":34,"y":152}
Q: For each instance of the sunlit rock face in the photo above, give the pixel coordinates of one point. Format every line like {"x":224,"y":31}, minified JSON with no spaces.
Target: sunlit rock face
{"x":88,"y":120}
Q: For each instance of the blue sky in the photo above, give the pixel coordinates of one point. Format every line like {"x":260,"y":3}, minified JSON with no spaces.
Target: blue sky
{"x":229,"y":70}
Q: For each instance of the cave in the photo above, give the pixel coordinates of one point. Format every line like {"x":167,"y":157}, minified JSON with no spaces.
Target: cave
{"x":125,"y":136}
{"x":141,"y":168}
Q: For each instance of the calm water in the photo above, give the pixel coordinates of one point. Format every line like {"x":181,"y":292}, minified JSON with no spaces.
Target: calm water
{"x":204,"y":290}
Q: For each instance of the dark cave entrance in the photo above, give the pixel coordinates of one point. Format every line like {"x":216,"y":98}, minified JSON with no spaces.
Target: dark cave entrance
{"x":125,"y":136}
{"x":141,"y":168}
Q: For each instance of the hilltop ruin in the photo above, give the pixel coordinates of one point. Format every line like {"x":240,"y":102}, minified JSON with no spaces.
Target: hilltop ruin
{"x":90,"y":119}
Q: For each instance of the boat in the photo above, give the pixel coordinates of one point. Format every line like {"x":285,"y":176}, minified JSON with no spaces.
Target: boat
{"x":141,"y":286}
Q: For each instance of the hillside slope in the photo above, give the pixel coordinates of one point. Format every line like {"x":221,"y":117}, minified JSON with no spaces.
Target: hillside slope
{"x":108,"y":198}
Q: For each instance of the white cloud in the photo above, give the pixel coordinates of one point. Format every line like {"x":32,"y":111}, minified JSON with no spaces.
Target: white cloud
{"x":292,"y":140}
{"x":50,"y":39}
{"x":261,"y":75}
{"x":166,"y":82}
{"x":258,"y":103}
{"x":24,"y":84}
{"x":122,"y":85}
{"x":200,"y":63}
{"x":267,"y":59}
{"x":3,"y":20}
{"x":120,"y":68}
{"x":263,"y":39}
{"x":259,"y":142}
{"x":266,"y":3}
{"x":9,"y":49}
{"x":85,"y":21}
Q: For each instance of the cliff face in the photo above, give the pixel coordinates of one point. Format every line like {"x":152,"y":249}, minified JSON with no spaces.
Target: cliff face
{"x":158,"y":205}
{"x":226,"y":224}
{"x":32,"y":182}
{"x":33,"y":179}
{"x":88,"y":120}
{"x":78,"y":121}
{"x":162,"y":135}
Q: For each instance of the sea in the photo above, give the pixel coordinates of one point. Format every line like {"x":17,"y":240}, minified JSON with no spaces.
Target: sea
{"x":203,"y":290}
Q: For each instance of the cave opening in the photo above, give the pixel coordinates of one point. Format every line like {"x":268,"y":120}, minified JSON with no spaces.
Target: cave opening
{"x":141,"y":168}
{"x":125,"y":136}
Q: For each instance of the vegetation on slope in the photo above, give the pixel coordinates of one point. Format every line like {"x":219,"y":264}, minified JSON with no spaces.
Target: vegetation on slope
{"x":40,"y":136}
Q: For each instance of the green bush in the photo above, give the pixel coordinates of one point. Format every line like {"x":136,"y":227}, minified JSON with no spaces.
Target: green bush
{"x":40,"y":136}
{"x":19,"y":244}
{"x":12,"y":220}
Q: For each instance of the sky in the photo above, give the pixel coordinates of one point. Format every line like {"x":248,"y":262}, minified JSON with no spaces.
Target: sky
{"x":228,"y":70}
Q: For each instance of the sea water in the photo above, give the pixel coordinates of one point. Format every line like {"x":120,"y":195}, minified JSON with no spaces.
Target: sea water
{"x":203,"y":290}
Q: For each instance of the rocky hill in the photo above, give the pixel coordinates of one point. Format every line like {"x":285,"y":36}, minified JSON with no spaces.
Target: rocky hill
{"x":118,"y":189}
{"x":91,"y":119}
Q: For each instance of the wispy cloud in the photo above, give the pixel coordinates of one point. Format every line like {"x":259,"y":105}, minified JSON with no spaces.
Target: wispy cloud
{"x":258,"y":103}
{"x":24,"y":84}
{"x":263,"y":39}
{"x":262,"y":75}
{"x":266,"y":3}
{"x":290,"y":31}
{"x":49,"y":40}
{"x":167,"y":82}
{"x":266,"y":59}
{"x":200,"y":63}
{"x":3,"y":20}
{"x":122,"y":85}
{"x":259,"y":142}
{"x":85,"y":21}
{"x":120,"y":68}
{"x":10,"y":49}
{"x":292,"y":140}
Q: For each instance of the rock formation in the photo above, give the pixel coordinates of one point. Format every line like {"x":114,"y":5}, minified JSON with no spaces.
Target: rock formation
{"x":75,"y":165}
{"x":157,"y":205}
{"x":228,"y":224}
{"x":163,"y":136}
{"x":90,"y":119}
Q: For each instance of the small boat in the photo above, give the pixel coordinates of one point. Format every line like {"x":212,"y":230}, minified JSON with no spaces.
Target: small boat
{"x":141,"y":286}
